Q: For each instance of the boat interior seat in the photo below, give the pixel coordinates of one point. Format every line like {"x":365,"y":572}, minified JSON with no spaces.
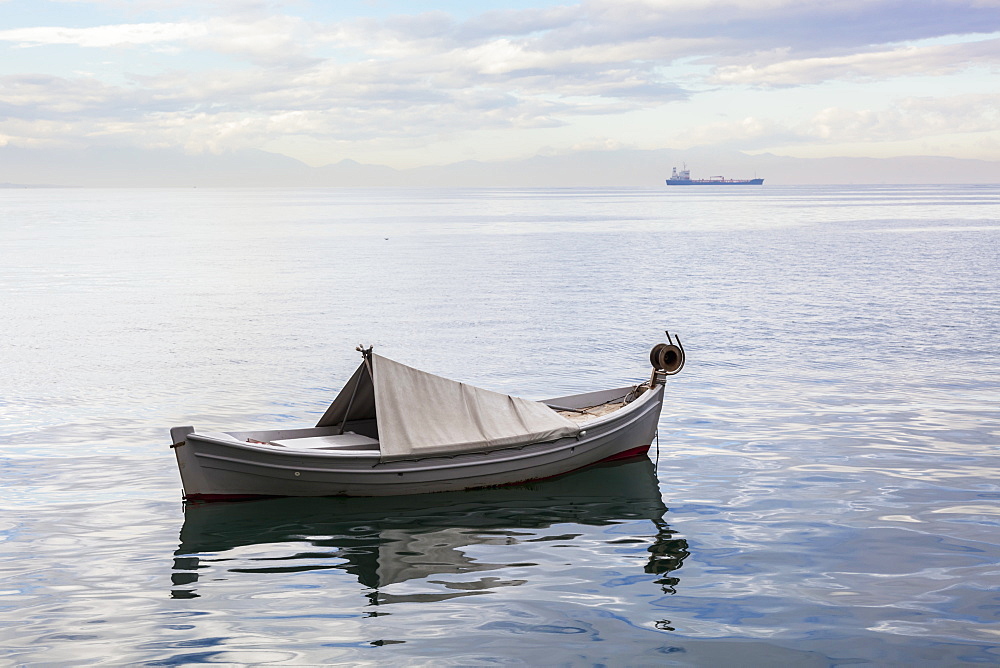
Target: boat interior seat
{"x":346,"y":441}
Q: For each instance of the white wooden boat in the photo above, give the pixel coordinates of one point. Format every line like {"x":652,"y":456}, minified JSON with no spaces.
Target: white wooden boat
{"x":395,"y":430}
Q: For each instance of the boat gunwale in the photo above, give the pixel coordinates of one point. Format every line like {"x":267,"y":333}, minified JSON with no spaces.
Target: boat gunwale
{"x":626,"y":414}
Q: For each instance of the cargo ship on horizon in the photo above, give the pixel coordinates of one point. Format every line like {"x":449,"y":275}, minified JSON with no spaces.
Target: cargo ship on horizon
{"x":683,"y":178}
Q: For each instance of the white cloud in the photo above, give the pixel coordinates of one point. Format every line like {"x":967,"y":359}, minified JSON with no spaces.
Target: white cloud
{"x":902,"y":61}
{"x":129,"y":34}
{"x":907,"y":119}
{"x":279,"y":40}
{"x":602,"y":144}
{"x":266,"y":41}
{"x":428,"y":75}
{"x":747,"y":131}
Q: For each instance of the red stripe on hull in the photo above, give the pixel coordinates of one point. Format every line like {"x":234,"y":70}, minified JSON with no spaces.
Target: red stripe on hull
{"x":628,"y":454}
{"x":228,"y":497}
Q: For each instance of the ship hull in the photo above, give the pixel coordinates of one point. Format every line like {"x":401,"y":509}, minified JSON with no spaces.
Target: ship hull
{"x":715,"y":182}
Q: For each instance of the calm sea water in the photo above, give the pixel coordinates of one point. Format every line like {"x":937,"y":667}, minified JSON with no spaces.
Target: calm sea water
{"x":825,"y":490}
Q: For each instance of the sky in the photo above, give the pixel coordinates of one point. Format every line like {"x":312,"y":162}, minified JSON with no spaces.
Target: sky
{"x":411,"y":83}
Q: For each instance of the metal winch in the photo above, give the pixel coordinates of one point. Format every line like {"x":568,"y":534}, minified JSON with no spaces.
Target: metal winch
{"x":667,"y":359}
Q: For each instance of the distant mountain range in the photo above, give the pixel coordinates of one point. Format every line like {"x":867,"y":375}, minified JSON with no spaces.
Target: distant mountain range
{"x":117,"y":167}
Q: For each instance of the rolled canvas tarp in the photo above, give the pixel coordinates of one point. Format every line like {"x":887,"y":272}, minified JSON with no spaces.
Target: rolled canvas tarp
{"x":420,"y":414}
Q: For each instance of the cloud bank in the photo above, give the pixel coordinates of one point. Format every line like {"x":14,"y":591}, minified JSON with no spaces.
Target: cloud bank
{"x":234,"y":75}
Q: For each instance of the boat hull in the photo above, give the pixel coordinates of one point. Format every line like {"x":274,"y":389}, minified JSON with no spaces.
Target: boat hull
{"x":225,"y":468}
{"x":716,"y":182}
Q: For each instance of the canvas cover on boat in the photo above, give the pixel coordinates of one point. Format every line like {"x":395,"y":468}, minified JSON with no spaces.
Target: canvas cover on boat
{"x":420,"y":414}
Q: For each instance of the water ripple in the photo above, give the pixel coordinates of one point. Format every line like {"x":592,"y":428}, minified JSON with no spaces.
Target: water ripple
{"x":828,"y":456}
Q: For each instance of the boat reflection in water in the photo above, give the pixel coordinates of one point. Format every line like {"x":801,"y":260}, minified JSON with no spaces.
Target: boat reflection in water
{"x":383,"y":541}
